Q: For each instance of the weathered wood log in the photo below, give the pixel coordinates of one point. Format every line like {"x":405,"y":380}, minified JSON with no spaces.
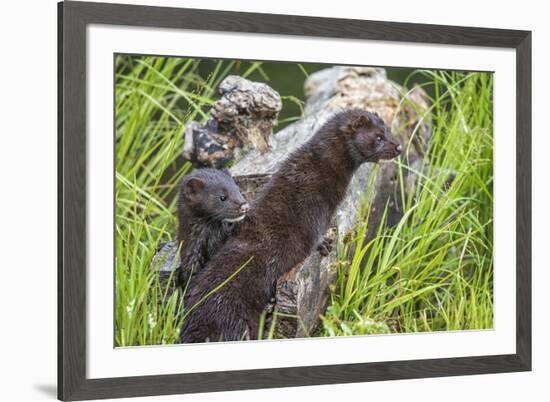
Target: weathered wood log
{"x":242,"y":118}
{"x":303,"y":293}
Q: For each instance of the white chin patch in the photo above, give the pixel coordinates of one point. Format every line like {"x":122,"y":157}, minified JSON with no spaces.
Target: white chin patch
{"x":233,"y":220}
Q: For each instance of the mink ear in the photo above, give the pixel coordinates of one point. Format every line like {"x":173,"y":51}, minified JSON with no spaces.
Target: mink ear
{"x":192,"y":186}
{"x":227,"y":172}
{"x":361,"y":121}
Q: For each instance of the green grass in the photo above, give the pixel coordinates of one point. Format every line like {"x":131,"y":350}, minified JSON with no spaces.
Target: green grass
{"x":432,"y":272}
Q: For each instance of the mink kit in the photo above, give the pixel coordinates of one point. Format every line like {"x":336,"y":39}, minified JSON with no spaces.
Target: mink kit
{"x":210,"y":205}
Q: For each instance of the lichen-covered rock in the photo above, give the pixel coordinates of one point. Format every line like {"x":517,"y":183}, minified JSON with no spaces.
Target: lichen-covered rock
{"x":243,"y":118}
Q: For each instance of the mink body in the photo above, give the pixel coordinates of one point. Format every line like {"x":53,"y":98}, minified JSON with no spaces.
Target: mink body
{"x":287,"y":221}
{"x":210,"y":205}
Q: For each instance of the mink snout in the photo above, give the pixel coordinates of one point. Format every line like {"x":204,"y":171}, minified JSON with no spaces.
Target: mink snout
{"x":244,"y":208}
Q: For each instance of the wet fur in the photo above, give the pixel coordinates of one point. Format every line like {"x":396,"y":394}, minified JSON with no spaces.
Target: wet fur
{"x":201,"y":215}
{"x":287,"y":222}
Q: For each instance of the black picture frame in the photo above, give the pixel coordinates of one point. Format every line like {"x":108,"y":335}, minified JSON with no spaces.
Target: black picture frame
{"x":73,"y":18}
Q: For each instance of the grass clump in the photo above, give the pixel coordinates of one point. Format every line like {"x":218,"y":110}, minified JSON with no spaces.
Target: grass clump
{"x":434,"y":270}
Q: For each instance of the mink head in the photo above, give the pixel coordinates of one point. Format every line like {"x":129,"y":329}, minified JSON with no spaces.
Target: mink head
{"x":370,"y":140}
{"x":212,"y":195}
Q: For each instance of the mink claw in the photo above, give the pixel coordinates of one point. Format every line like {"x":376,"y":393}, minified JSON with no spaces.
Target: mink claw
{"x":270,"y":308}
{"x":325,"y":247}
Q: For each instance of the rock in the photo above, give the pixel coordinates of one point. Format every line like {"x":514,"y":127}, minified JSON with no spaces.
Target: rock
{"x":242,"y":118}
{"x":303,"y":293}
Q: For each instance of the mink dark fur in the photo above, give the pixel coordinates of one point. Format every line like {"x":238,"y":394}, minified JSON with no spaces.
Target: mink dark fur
{"x":287,"y":221}
{"x":210,"y":204}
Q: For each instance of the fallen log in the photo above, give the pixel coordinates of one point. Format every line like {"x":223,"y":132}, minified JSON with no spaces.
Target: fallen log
{"x":302,"y":295}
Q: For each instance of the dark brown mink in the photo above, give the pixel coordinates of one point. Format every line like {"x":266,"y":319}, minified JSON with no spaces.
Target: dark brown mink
{"x":210,"y":205}
{"x":286,"y":222}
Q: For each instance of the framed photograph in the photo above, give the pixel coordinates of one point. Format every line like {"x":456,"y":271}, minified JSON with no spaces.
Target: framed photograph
{"x":257,"y":201}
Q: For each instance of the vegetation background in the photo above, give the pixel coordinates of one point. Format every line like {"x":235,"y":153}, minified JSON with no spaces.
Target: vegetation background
{"x":432,"y":272}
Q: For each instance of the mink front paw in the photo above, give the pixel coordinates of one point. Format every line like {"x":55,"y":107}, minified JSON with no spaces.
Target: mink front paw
{"x":325,"y":247}
{"x":270,"y":308}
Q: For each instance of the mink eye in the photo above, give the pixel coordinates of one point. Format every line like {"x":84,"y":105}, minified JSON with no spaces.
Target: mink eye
{"x":223,"y":197}
{"x":379,"y":138}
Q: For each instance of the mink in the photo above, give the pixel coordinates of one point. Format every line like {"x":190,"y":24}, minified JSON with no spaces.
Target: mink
{"x":287,"y":221}
{"x":210,"y":205}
